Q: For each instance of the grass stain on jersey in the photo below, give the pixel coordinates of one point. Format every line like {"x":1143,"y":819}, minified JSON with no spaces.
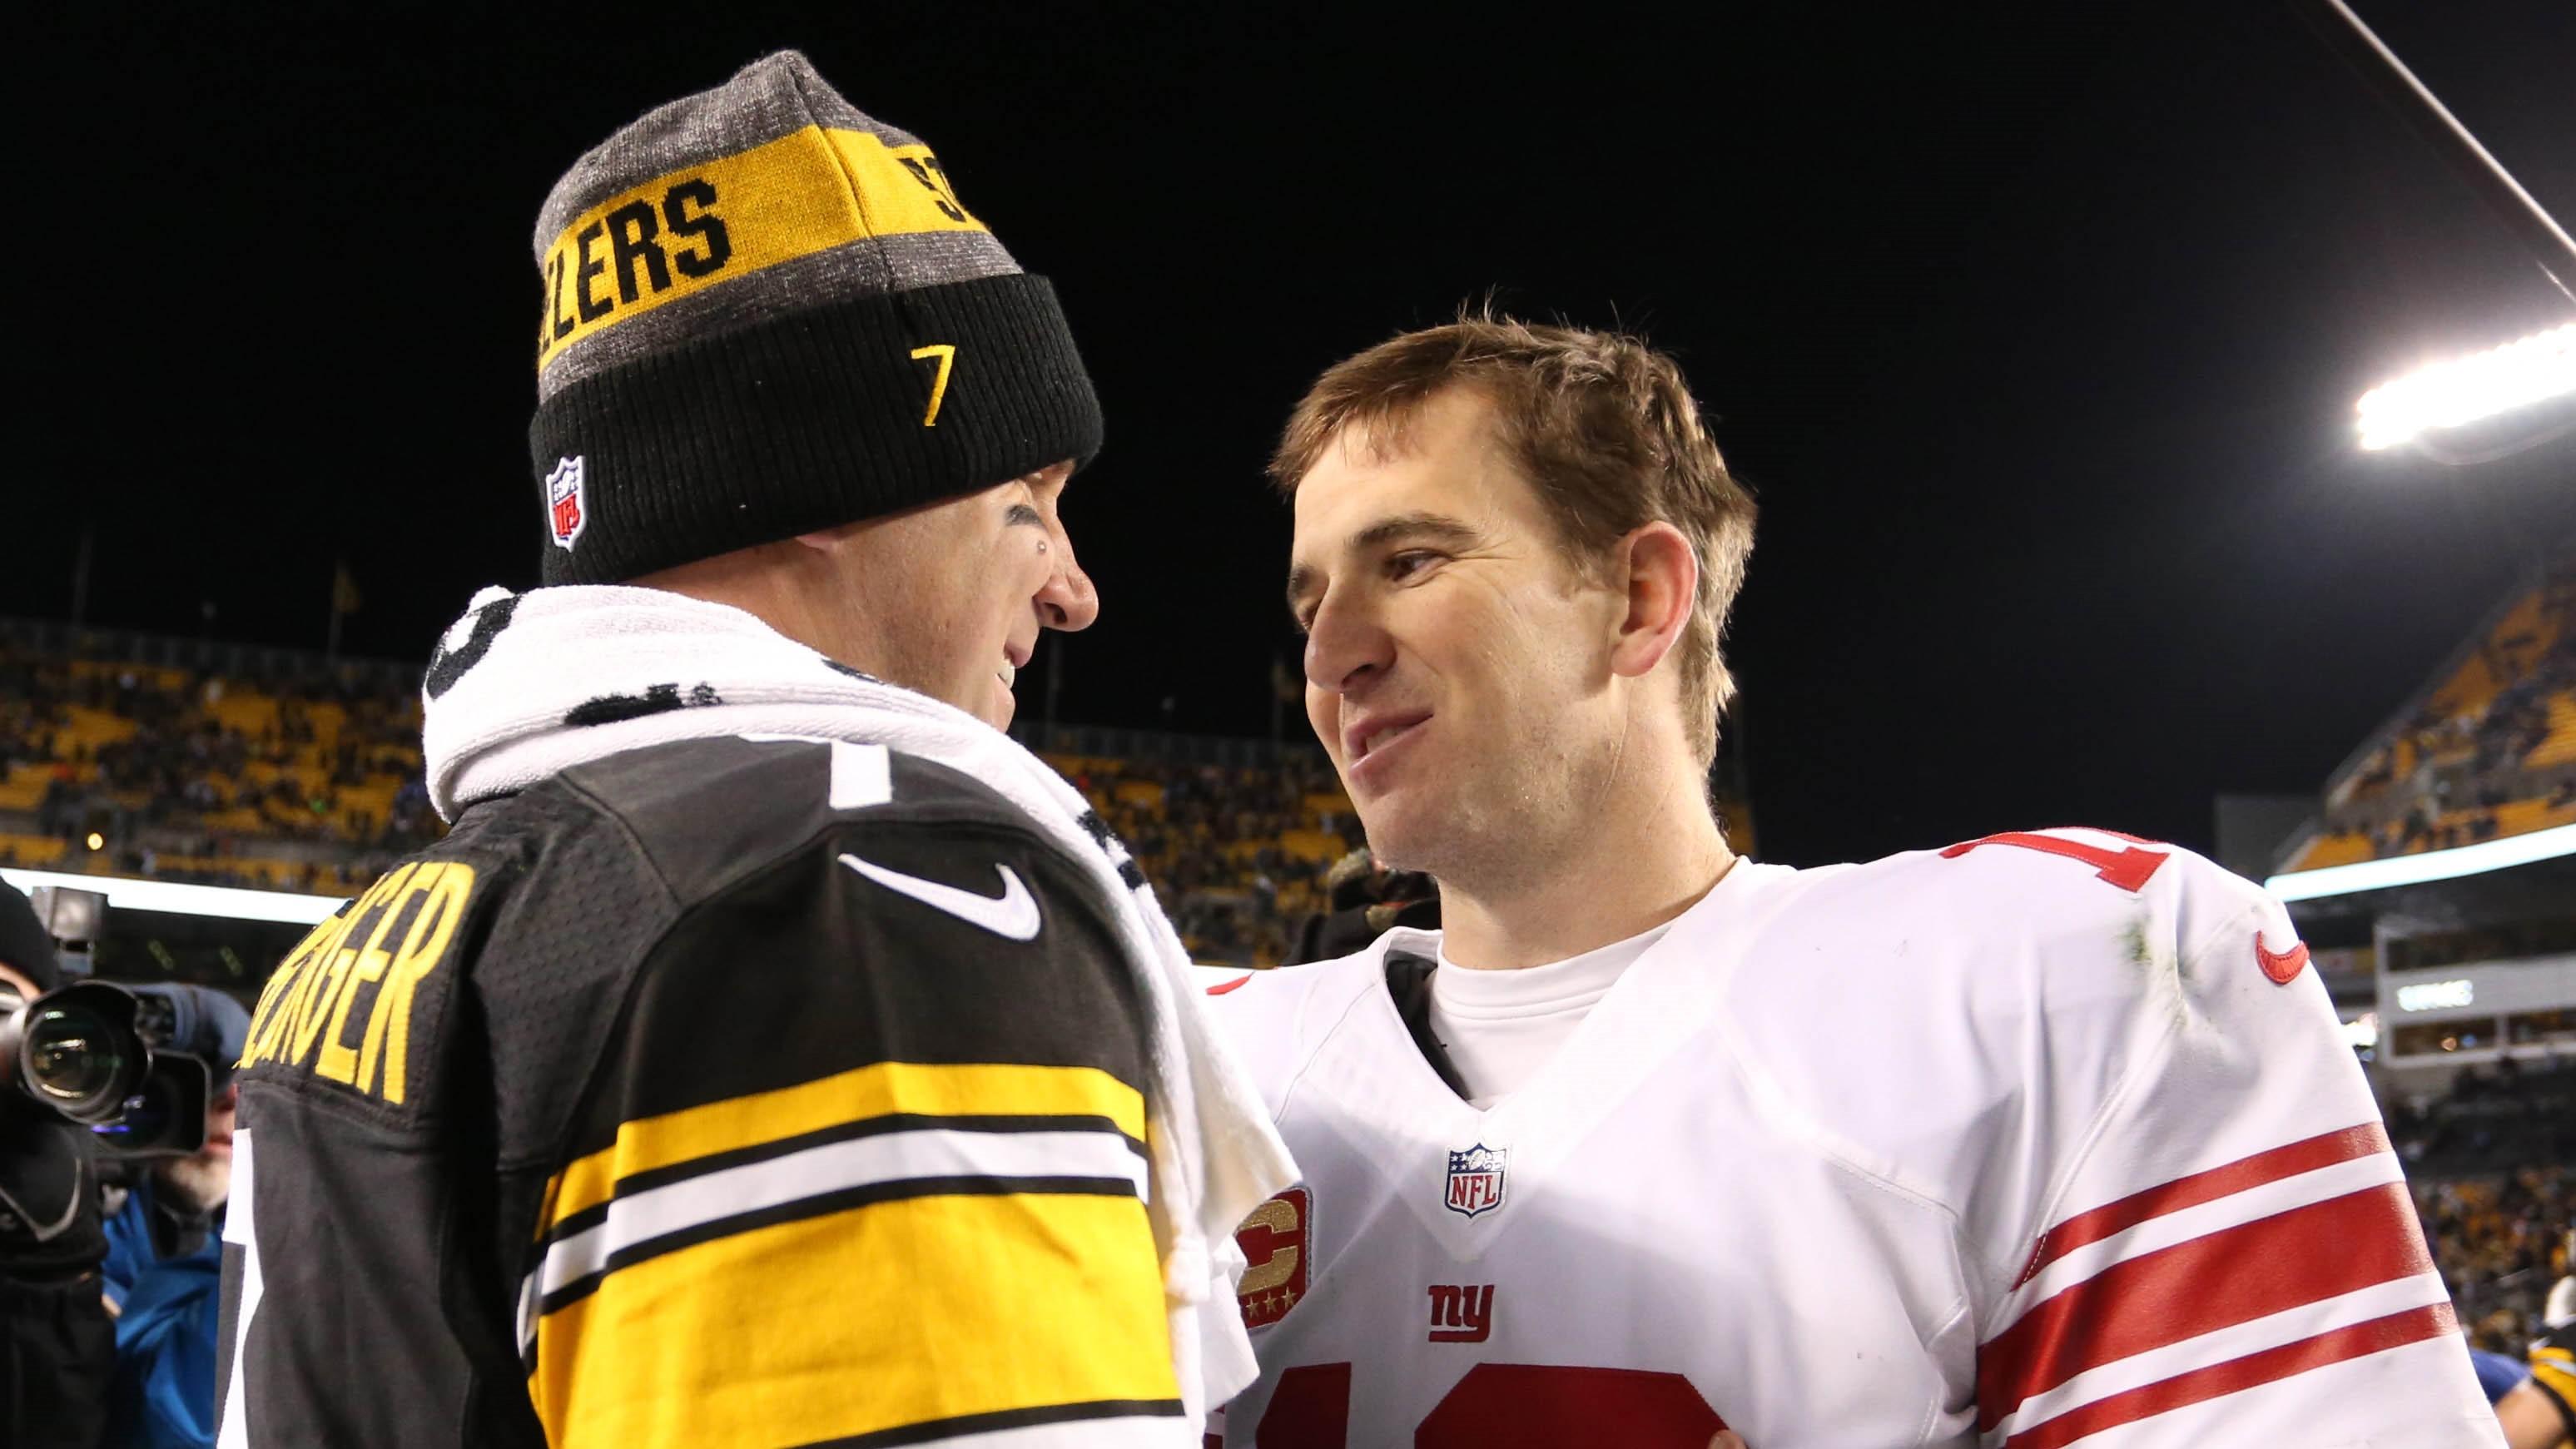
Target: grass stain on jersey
{"x":2163,"y":972}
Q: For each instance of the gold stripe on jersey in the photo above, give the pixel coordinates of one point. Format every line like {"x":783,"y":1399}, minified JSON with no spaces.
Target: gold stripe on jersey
{"x":975,"y":1309}
{"x":2555,"y":1368}
{"x":882,"y":1089}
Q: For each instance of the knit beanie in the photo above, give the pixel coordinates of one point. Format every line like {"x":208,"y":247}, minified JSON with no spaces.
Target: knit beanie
{"x":768,"y":314}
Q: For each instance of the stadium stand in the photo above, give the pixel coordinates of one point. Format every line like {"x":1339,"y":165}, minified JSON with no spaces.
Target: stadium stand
{"x":228,"y":765}
{"x":261,"y":769}
{"x":1235,"y":834}
{"x":2487,"y":748}
{"x":2500,"y":1241}
{"x":2463,"y":986}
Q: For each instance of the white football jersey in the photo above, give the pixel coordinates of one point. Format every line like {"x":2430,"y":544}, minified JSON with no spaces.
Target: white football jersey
{"x":2042,"y":1140}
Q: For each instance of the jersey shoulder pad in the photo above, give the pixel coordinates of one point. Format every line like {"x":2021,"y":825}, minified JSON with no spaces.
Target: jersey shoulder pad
{"x":2018,"y":976}
{"x":1274,"y":1020}
{"x":712,"y":811}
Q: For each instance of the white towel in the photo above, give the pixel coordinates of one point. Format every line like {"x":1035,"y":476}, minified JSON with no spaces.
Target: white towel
{"x":508,"y":672}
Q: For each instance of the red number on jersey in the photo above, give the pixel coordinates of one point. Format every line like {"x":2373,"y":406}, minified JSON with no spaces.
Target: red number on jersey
{"x":2128,"y":867}
{"x":1505,"y":1406}
{"x":1310,"y":1410}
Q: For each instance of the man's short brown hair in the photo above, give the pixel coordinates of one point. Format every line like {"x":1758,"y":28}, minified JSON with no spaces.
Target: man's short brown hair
{"x":1604,"y":428}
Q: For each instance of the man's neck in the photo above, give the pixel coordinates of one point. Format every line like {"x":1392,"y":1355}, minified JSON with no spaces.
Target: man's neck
{"x":1644,"y":863}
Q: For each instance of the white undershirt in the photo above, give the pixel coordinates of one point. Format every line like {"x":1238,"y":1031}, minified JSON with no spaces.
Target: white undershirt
{"x":1502,"y":1026}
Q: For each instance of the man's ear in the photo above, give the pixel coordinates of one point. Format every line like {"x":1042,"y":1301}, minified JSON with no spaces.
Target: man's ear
{"x":1660,"y":574}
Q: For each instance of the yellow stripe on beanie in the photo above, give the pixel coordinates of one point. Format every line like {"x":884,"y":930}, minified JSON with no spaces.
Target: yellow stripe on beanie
{"x":682,"y":233}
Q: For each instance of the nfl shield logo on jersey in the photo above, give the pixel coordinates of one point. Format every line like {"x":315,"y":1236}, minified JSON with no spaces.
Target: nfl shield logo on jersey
{"x":1476,"y":1180}
{"x":567,"y":513}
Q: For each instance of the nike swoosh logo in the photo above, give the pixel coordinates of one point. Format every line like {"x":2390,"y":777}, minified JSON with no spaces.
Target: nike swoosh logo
{"x":1013,"y":914}
{"x":2281,"y":966}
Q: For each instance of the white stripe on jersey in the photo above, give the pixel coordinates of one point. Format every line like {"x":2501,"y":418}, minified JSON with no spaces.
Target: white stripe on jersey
{"x":2234,"y":1342}
{"x":890,"y":1157}
{"x":2200,"y":1220}
{"x":2219,"y":1283}
{"x":234,"y":1431}
{"x":2343,"y":1404}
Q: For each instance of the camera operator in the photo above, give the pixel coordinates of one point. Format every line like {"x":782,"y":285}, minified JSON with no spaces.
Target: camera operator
{"x":1363,"y":900}
{"x":164,"y":1269}
{"x":57,"y":1345}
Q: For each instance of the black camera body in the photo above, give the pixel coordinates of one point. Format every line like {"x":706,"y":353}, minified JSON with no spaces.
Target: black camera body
{"x":96,"y":1053}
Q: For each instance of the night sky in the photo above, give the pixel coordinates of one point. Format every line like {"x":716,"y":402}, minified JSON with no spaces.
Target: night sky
{"x":2036,"y":329}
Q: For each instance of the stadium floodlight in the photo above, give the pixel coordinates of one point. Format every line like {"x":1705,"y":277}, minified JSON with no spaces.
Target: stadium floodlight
{"x":2470,"y":389}
{"x":2502,"y":853}
{"x":179,"y":898}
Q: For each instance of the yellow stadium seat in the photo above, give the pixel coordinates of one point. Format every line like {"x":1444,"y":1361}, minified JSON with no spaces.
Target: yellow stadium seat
{"x":34,"y":850}
{"x":25,"y":787}
{"x":1315,"y":847}
{"x":245,"y":710}
{"x":2559,"y":746}
{"x":94,"y":727}
{"x":2343,"y":849}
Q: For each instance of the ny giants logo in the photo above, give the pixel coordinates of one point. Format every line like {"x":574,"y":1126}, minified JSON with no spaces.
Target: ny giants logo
{"x":567,"y":510}
{"x":1476,"y":1180}
{"x":1462,"y":1312}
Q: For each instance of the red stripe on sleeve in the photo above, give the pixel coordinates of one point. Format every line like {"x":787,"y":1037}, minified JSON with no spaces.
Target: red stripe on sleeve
{"x":2323,"y":1150}
{"x":2228,"y":1277}
{"x":2376,"y":1335}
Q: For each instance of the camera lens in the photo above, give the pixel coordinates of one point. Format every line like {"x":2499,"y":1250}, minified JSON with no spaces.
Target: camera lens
{"x":74,"y":1057}
{"x":145,"y":1117}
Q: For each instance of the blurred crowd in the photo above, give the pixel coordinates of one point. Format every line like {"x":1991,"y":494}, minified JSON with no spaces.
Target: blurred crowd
{"x":2500,"y":1242}
{"x":2479,"y":732}
{"x":309,"y":778}
{"x":2489,"y":751}
{"x":2530,"y":660}
{"x":2489,"y":1120}
{"x":1237,"y":853}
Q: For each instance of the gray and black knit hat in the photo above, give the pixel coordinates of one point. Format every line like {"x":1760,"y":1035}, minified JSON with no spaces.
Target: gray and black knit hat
{"x":768,"y":314}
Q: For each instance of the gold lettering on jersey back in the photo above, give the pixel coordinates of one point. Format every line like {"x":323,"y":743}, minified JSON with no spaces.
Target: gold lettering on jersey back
{"x":344,"y":968}
{"x":422,"y":950}
{"x":281,"y":985}
{"x":353,"y":970}
{"x":330,"y":968}
{"x":292,"y":985}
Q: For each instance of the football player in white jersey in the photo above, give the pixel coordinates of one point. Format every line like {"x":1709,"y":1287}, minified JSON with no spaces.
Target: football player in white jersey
{"x":2040,"y":1140}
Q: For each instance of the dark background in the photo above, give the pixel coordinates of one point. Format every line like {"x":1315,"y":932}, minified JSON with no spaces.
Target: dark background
{"x":2037,"y":328}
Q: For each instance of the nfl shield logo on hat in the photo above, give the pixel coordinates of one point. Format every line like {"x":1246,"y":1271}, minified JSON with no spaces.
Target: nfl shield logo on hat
{"x":1476,"y":1180}
{"x":567,"y":513}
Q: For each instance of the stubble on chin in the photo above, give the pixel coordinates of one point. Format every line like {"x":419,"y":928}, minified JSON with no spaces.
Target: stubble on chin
{"x":201,"y":1183}
{"x":1496,"y":835}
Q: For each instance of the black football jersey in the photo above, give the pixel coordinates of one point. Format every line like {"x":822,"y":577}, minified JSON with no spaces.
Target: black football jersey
{"x":724,"y":1092}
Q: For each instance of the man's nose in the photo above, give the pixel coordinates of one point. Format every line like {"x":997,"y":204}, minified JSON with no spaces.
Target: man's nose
{"x":1068,"y":601}
{"x":1345,"y":644}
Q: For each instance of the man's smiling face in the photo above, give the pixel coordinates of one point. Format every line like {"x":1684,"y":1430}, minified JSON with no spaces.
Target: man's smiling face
{"x":949,"y":599}
{"x":1456,"y":662}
